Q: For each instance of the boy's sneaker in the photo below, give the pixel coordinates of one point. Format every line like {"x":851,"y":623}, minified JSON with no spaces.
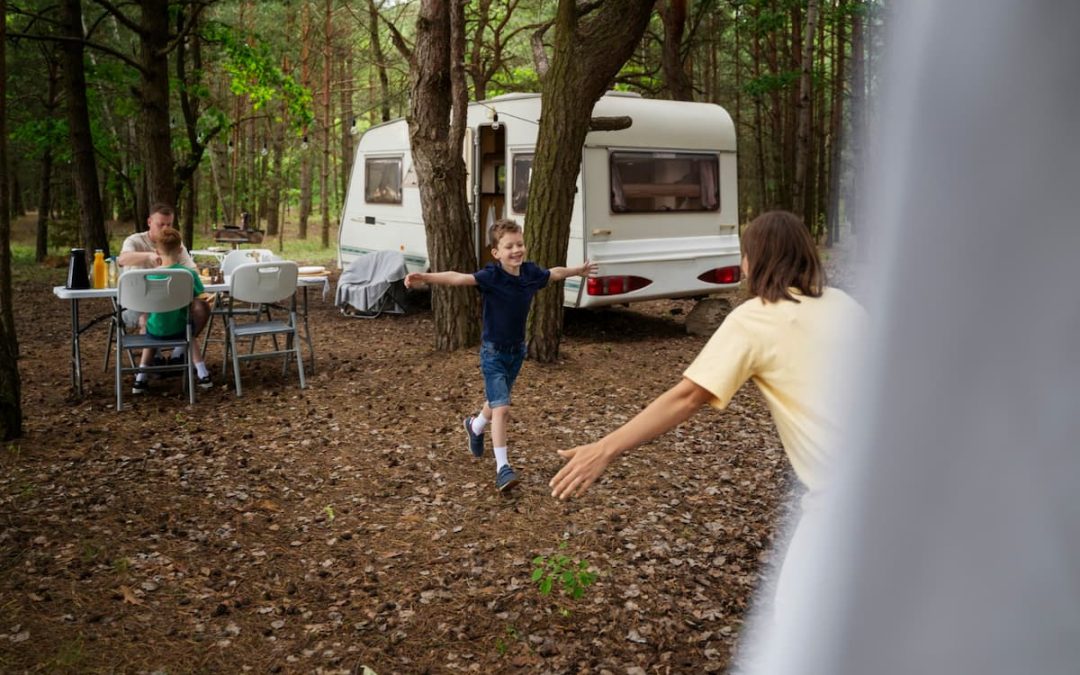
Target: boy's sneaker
{"x":140,"y":387}
{"x":476,"y":441}
{"x":507,"y":478}
{"x":204,"y":382}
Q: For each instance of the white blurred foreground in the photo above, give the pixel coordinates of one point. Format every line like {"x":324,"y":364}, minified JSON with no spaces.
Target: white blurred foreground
{"x":951,"y":543}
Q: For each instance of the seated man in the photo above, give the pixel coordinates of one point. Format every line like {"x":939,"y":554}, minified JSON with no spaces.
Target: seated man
{"x":140,"y":252}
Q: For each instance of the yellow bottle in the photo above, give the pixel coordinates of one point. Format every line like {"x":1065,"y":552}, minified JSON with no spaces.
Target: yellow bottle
{"x":100,"y":271}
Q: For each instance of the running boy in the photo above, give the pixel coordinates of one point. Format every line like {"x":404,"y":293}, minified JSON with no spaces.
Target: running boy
{"x":507,"y":287}
{"x":170,"y":248}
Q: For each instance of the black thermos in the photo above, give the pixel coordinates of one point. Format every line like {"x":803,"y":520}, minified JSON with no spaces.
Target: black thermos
{"x":78,"y":278}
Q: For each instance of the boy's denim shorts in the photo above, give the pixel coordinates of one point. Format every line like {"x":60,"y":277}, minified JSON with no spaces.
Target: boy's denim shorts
{"x":500,"y":366}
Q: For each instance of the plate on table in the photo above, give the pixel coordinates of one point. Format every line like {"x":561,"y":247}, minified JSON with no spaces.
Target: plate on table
{"x":312,"y":270}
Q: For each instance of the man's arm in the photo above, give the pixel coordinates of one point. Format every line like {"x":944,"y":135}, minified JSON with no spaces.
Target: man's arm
{"x":421,"y":279}
{"x":587,"y":462}
{"x":138,"y":259}
{"x":587,"y":268}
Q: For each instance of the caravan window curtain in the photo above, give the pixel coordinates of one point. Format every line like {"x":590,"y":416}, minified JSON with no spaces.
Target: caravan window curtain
{"x":382,"y":180}
{"x":650,"y":182}
{"x":522,"y":172}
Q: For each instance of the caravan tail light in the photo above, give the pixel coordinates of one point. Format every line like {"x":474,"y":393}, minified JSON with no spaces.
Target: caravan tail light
{"x":615,"y":285}
{"x":721,"y":275}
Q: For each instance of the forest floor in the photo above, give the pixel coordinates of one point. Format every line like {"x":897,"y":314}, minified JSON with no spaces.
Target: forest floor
{"x":347,"y":524}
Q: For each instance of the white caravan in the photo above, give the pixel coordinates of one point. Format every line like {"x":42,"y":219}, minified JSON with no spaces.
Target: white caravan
{"x":656,"y":203}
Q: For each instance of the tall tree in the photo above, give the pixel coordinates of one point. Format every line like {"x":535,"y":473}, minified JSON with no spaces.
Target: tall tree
{"x":836,"y":125}
{"x":591,"y":44}
{"x":305,"y":155}
{"x":677,"y":80}
{"x":92,"y":217}
{"x":10,"y":396}
{"x":437,"y":109}
{"x":803,"y":150}
{"x":50,"y":104}
{"x":379,"y":61}
{"x":324,"y":176}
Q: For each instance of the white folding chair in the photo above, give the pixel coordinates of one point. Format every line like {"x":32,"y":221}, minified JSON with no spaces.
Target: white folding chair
{"x":222,"y":303}
{"x":264,"y":284}
{"x":148,"y":291}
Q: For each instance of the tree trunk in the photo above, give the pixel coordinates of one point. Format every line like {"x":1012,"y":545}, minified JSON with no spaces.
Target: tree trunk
{"x":305,"y":153}
{"x":348,"y":135}
{"x":588,"y":52}
{"x":836,"y":125}
{"x":802,"y":149}
{"x":10,"y":385}
{"x":677,"y":80}
{"x":324,"y":178}
{"x":154,"y":101}
{"x":438,"y":100}
{"x":858,"y":113}
{"x":273,"y":201}
{"x":379,"y":60}
{"x":219,"y":168}
{"x":759,"y":121}
{"x":45,"y":193}
{"x":92,"y":219}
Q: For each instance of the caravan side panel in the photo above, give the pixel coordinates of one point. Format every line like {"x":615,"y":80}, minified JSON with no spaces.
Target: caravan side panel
{"x":382,"y":206}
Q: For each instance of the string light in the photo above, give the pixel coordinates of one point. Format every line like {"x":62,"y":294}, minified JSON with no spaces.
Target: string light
{"x":354,"y":129}
{"x":264,"y":151}
{"x":304,"y":143}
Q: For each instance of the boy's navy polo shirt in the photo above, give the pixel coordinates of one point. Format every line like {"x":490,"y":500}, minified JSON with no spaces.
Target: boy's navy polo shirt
{"x":507,"y":299}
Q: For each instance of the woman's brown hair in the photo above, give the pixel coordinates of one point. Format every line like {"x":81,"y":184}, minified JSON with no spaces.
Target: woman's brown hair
{"x":780,"y":255}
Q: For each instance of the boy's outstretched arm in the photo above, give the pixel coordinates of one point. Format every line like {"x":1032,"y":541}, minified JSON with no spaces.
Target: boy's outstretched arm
{"x":587,"y":462}
{"x":586,"y":269}
{"x":421,"y":279}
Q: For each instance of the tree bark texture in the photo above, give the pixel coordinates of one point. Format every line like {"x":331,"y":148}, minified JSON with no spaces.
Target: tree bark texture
{"x":41,"y":248}
{"x":677,"y":80}
{"x":437,"y":91}
{"x":588,"y":52}
{"x":836,"y":126}
{"x":10,"y":385}
{"x":154,"y":101}
{"x":91,"y":217}
{"x":803,"y":150}
{"x":379,"y":60}
{"x":305,"y":152}
{"x":324,"y":177}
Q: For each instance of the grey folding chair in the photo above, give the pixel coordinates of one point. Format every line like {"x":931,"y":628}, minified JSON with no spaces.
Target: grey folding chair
{"x":154,"y":290}
{"x":264,"y":284}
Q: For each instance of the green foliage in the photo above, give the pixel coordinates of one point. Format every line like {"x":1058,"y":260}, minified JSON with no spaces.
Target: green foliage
{"x":573,"y":576}
{"x":254,"y":73}
{"x":768,"y":83}
{"x":37,"y":135}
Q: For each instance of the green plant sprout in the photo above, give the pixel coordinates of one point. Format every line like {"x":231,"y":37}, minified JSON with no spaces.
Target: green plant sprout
{"x":572,"y":575}
{"x":329,"y":511}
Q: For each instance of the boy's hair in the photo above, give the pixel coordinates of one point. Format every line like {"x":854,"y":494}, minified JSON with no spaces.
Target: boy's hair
{"x":162,"y":208}
{"x":780,"y":255}
{"x":502,"y":227}
{"x":170,"y":241}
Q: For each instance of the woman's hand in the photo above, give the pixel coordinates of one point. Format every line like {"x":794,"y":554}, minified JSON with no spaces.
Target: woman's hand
{"x":587,"y":463}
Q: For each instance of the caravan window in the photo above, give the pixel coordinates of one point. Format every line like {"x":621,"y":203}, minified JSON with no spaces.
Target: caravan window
{"x":522,"y":172}
{"x":382,"y":180}
{"x":664,"y":181}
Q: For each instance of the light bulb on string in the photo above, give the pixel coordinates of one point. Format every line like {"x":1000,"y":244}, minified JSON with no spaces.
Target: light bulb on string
{"x":264,"y":151}
{"x":354,"y":129}
{"x":230,"y":147}
{"x":304,"y":143}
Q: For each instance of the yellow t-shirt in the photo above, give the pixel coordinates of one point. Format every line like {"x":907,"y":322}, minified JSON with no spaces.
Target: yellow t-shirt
{"x":785,"y":348}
